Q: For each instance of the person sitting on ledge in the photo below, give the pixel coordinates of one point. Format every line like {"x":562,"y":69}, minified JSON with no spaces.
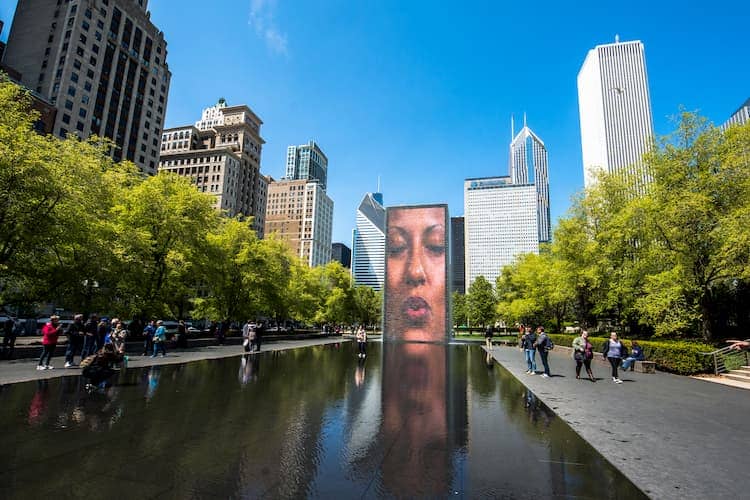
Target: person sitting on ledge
{"x":635,"y":355}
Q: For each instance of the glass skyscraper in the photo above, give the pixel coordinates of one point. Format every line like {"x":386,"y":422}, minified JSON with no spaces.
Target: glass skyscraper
{"x":528,"y":165}
{"x":306,"y":162}
{"x":368,"y":245}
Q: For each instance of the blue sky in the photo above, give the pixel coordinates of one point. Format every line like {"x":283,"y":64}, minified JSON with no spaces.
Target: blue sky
{"x":421,"y":93}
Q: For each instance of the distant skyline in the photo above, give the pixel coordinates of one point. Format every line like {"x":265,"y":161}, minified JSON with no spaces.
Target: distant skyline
{"x":421,"y":94}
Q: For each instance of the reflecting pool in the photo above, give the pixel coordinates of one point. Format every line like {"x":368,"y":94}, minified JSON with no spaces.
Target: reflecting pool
{"x":410,"y":420}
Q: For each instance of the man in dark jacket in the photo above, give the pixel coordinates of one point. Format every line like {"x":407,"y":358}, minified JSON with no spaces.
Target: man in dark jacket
{"x":75,"y":340}
{"x":9,"y":337}
{"x":528,"y":344}
{"x":89,"y":337}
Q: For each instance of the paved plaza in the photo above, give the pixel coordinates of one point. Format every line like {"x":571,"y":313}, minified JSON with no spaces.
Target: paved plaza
{"x":673,"y":436}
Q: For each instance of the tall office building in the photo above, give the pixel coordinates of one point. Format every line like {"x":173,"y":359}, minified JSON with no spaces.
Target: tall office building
{"x":368,"y":245}
{"x":615,"y":109}
{"x":500,"y":224}
{"x":528,"y":165}
{"x":307,"y":162}
{"x":103,"y":64}
{"x":739,"y":117}
{"x":342,"y":253}
{"x":301,"y":214}
{"x":221,"y":155}
{"x":458,"y":260}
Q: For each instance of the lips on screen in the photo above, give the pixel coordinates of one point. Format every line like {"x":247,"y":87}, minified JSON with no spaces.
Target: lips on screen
{"x":416,"y":299}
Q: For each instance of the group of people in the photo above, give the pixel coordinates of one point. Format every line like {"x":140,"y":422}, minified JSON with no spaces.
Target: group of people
{"x":614,"y":351}
{"x":95,"y":336}
{"x":85,"y":339}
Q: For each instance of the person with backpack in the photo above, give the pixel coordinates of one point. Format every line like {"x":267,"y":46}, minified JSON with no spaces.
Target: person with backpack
{"x":544,"y":344}
{"x":160,"y":339}
{"x":488,"y":337}
{"x":75,"y":335}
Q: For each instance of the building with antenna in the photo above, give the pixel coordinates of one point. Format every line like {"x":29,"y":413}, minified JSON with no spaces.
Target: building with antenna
{"x":528,"y":166}
{"x":614,"y":109}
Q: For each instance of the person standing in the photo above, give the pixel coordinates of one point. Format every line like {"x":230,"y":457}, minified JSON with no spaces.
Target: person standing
{"x":614,"y":351}
{"x":248,"y":335}
{"x":362,"y":341}
{"x":528,"y":344}
{"x":117,"y":336}
{"x":89,"y":337}
{"x":148,"y":337}
{"x":181,"y":334}
{"x":583,"y":353}
{"x":75,"y":340}
{"x":259,"y":332}
{"x":50,"y":333}
{"x":10,"y":331}
{"x":160,"y":339}
{"x":543,"y":345}
{"x":488,"y":337}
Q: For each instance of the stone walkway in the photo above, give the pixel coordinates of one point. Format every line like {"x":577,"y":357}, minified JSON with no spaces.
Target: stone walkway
{"x":24,"y":370}
{"x":674,"y":437}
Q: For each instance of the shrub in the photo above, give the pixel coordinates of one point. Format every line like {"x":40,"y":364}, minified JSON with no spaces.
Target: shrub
{"x":681,"y":357}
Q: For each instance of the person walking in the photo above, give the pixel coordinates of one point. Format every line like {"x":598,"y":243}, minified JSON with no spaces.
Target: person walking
{"x":543,"y":345}
{"x":614,"y":351}
{"x":148,"y":338}
{"x":160,"y":339}
{"x":528,"y":344}
{"x":362,"y":341}
{"x":89,"y":337}
{"x":75,"y":340}
{"x":50,"y":333}
{"x":10,"y":332}
{"x":583,"y":353}
{"x":488,"y":337}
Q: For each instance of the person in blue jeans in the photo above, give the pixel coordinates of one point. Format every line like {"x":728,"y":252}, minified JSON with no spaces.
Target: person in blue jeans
{"x":636,"y":354}
{"x":529,"y":349}
{"x":160,"y":339}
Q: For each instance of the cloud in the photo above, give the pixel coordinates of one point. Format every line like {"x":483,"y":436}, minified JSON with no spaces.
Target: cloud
{"x":262,"y":21}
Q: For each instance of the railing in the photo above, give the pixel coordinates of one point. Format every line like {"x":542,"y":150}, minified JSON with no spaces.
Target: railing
{"x":727,"y":358}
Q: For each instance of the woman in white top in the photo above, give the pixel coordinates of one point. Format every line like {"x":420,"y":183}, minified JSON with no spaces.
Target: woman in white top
{"x":362,"y":341}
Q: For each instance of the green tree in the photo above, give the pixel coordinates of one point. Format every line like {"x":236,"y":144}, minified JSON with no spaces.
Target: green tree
{"x":368,"y":305}
{"x":697,"y":210}
{"x":227,"y":272}
{"x":459,"y":308}
{"x":480,"y":302}
{"x":160,"y":228}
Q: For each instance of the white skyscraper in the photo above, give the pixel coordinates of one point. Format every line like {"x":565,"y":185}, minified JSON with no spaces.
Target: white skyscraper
{"x":500,"y":221}
{"x":528,"y":165}
{"x":739,"y":117}
{"x":615,"y":108}
{"x":368,"y":245}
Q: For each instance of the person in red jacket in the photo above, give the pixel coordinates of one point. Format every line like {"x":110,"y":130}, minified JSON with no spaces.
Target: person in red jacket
{"x":50,"y":332}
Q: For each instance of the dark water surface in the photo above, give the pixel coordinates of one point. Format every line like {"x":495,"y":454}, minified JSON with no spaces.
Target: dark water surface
{"x":412,"y":420}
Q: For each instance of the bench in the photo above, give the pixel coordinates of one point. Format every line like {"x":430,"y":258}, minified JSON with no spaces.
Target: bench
{"x":645,"y":367}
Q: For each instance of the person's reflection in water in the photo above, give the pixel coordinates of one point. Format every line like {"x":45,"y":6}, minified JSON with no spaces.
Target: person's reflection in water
{"x":416,"y":273}
{"x":153,"y":381}
{"x":359,"y":373}
{"x":249,"y":367}
{"x":38,"y":405}
{"x":415,"y":421}
{"x":489,"y":361}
